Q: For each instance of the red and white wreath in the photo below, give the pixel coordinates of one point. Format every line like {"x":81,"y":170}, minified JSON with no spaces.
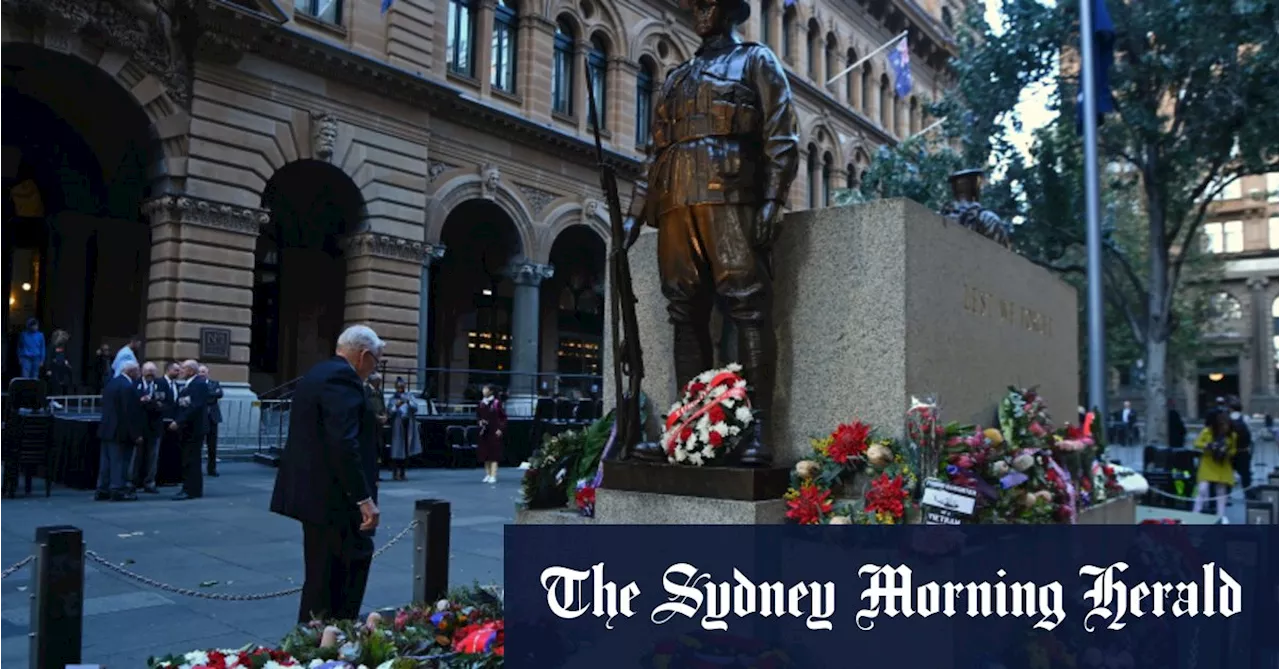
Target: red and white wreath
{"x":715,"y":409}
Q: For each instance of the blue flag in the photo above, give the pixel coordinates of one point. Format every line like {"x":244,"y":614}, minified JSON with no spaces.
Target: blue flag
{"x":900,"y":63}
{"x":386,"y":4}
{"x":1104,"y":41}
{"x":788,"y":3}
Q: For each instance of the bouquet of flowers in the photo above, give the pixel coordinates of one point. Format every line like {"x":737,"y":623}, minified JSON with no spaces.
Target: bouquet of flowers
{"x":545,"y":482}
{"x":709,"y":418}
{"x":249,"y":657}
{"x":585,"y":498}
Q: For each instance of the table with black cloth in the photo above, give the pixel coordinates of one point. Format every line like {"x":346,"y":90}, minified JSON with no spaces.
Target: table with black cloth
{"x":77,"y":449}
{"x":516,"y":447}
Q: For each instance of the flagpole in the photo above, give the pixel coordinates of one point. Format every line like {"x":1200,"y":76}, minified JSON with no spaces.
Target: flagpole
{"x":868,"y":57}
{"x":1093,"y":219}
{"x":933,"y":125}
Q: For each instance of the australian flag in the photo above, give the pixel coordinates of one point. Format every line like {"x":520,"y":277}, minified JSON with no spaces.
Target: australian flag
{"x":1104,"y":41}
{"x":900,"y":63}
{"x":386,"y":4}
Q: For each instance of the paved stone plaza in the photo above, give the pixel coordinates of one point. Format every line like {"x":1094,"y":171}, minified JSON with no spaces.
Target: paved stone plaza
{"x":228,"y":543}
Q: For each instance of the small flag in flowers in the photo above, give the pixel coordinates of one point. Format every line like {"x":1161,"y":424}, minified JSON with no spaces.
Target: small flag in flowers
{"x":386,"y":4}
{"x":900,"y":63}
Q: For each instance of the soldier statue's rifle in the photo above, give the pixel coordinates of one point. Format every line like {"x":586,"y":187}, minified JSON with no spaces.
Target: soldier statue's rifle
{"x":628,"y":360}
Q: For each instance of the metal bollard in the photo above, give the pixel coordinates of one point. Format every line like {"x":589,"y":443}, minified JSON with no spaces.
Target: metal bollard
{"x":431,"y":550}
{"x":57,"y":598}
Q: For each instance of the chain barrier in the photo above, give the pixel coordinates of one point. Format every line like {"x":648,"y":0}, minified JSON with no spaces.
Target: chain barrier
{"x":17,"y":565}
{"x":217,"y":596}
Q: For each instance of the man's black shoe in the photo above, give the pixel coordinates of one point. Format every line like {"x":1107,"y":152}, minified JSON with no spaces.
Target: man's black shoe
{"x":181,"y":497}
{"x":124,"y":497}
{"x":152,"y":490}
{"x":101,"y":496}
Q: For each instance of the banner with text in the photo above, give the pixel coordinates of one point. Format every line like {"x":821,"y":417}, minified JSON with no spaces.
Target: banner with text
{"x":769,"y":597}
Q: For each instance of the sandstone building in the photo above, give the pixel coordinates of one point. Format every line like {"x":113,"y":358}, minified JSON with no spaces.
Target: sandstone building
{"x":238,"y":179}
{"x":1241,"y":353}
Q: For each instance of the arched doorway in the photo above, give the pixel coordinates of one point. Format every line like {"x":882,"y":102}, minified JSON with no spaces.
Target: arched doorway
{"x":299,"y":272}
{"x":472,"y":297}
{"x":574,"y":313}
{"x":78,"y":155}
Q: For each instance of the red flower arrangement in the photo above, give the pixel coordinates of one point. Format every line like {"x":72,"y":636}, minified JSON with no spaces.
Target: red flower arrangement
{"x":481,"y":638}
{"x":886,"y":499}
{"x":809,"y":504}
{"x":585,"y":499}
{"x":849,"y":442}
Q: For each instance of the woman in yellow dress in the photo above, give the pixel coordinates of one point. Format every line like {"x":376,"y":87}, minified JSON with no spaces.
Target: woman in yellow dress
{"x":1218,"y":441}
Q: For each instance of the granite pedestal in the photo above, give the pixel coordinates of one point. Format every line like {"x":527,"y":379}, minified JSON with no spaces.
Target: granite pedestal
{"x":877,"y":302}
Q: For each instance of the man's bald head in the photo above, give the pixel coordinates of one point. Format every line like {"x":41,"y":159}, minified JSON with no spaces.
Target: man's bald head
{"x":190,"y":368}
{"x":150,"y":369}
{"x":129,"y":369}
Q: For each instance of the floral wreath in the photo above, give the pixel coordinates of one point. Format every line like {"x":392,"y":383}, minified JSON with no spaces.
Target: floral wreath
{"x":709,"y":417}
{"x":851,"y":449}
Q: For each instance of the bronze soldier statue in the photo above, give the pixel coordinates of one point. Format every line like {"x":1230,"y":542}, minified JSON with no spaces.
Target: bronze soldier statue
{"x":722,"y":159}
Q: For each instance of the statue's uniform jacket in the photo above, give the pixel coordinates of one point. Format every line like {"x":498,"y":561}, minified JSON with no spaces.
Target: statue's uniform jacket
{"x":723,"y":144}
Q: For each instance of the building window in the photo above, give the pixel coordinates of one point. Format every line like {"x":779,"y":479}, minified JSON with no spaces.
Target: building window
{"x":866,"y":87}
{"x":1226,"y":237}
{"x":887,"y":105}
{"x":1273,"y":187}
{"x":946,"y":18}
{"x":462,"y":30}
{"x":1273,"y":233}
{"x":598,"y":61}
{"x":766,"y":23}
{"x":324,"y":10}
{"x":562,"y":69}
{"x":811,"y":162}
{"x":788,"y":32}
{"x":644,"y":101}
{"x":502,"y":71}
{"x":826,"y":180}
{"x":850,"y":177}
{"x":815,"y":50}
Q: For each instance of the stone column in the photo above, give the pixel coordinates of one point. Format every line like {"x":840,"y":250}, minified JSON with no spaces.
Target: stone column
{"x":581,"y":110}
{"x":202,"y":266}
{"x":484,"y":45}
{"x":202,"y":263}
{"x":533,"y":84}
{"x":1262,"y":353}
{"x":527,"y":277}
{"x":433,"y":252}
{"x":384,"y":284}
{"x":775,"y":31}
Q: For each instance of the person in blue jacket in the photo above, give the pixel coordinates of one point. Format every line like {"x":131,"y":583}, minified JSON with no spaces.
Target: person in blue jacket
{"x":31,"y":350}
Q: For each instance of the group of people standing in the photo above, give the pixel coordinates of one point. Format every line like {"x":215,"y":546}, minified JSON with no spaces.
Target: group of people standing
{"x":139,"y":405}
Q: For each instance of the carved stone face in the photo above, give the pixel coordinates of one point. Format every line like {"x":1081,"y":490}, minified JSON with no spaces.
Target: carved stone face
{"x":324,"y":135}
{"x":491,"y":178}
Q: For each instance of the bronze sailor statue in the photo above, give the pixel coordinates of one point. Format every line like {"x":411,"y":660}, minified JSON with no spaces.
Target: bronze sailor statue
{"x":721,"y":162}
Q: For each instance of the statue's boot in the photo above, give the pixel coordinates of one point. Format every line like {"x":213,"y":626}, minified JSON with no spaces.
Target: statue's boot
{"x":757,"y":352}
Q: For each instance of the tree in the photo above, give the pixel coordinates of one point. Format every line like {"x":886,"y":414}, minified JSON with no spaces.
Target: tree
{"x":1195,"y":83}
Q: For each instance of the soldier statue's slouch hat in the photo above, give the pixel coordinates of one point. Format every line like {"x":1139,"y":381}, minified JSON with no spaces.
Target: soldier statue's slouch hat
{"x":739,"y":10}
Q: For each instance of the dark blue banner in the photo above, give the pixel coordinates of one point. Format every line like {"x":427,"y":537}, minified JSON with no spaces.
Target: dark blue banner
{"x":981,"y":596}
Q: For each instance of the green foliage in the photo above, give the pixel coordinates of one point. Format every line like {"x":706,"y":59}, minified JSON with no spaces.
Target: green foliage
{"x":1195,"y":84}
{"x":916,"y":169}
{"x":594,"y":439}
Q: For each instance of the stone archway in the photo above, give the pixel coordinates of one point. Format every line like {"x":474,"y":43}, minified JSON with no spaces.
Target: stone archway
{"x":81,"y":155}
{"x":484,"y":297}
{"x":574,"y":310}
{"x":300,"y":273}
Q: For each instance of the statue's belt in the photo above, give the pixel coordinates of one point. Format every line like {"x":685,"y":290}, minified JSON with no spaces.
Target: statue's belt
{"x":725,"y":120}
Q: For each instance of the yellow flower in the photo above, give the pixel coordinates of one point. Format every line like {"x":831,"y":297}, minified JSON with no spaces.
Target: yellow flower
{"x":792,"y":493}
{"x":993,"y":435}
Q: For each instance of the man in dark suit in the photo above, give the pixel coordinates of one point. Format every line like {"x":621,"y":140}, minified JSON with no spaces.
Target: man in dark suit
{"x":156,"y":396}
{"x":378,"y":405}
{"x":191,"y":421}
{"x":215,"y":418}
{"x":326,"y":480}
{"x":123,"y":428}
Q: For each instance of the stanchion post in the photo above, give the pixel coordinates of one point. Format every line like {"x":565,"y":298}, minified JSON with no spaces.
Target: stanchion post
{"x":57,"y":599}
{"x":431,"y":550}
